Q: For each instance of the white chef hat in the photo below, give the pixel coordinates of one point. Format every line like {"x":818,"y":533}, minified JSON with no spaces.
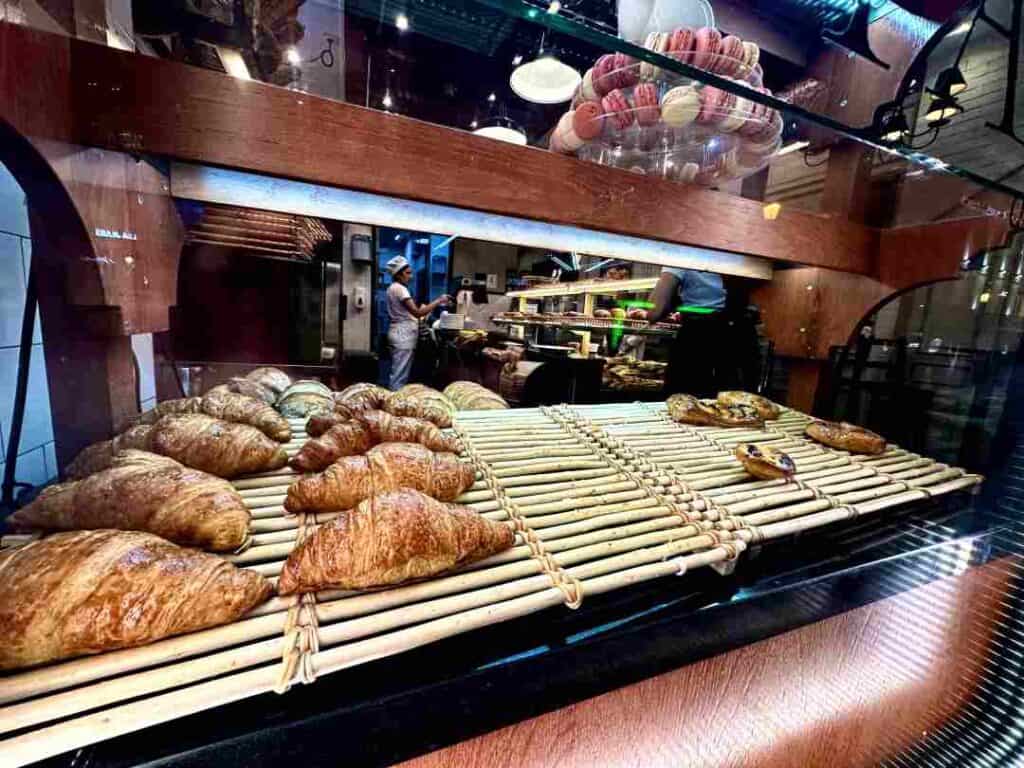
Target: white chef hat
{"x":396,"y":265}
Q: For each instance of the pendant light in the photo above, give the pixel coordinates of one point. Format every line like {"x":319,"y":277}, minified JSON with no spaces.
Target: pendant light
{"x":545,"y":80}
{"x":502,"y":128}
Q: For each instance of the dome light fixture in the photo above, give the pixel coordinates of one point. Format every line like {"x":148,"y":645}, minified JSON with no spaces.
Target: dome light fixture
{"x":545,"y":80}
{"x":502,"y":128}
{"x":942,"y":110}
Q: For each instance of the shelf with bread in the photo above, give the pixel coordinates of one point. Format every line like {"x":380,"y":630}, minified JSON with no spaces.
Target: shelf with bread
{"x":589,"y":324}
{"x":361,"y":547}
{"x":586,"y":287}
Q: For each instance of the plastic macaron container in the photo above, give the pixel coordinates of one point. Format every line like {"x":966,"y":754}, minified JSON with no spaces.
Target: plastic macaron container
{"x":643,"y":118}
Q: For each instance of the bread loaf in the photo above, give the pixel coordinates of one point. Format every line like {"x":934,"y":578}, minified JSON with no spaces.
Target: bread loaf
{"x":384,"y":468}
{"x":91,"y":591}
{"x":388,"y":539}
{"x":274,"y":379}
{"x":144,"y":492}
{"x":215,"y":446}
{"x":99,"y":456}
{"x":365,"y":430}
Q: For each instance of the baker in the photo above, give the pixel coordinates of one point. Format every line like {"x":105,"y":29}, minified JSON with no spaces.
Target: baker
{"x":404,"y":315}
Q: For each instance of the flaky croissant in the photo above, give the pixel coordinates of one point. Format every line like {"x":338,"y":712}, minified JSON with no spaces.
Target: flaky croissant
{"x":169,"y":408}
{"x":274,"y":379}
{"x":219,"y":447}
{"x":98,"y":456}
{"x":91,"y":591}
{"x":384,"y":468}
{"x":421,"y":402}
{"x":248,"y":387}
{"x":364,"y":393}
{"x":144,"y":492}
{"x":389,"y":539}
{"x":470,"y":396}
{"x":359,"y":434}
{"x":229,"y":406}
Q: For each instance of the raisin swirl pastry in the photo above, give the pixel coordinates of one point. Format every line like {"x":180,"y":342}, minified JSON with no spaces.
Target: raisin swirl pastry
{"x":687,"y":409}
{"x":764,"y":462}
{"x":846,"y":437}
{"x":765,"y":408}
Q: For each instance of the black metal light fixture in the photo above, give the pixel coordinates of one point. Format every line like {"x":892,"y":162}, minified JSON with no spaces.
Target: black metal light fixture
{"x":950,"y":81}
{"x":942,"y":110}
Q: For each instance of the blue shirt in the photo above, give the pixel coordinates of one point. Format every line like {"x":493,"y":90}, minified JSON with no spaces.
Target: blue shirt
{"x":699,"y":289}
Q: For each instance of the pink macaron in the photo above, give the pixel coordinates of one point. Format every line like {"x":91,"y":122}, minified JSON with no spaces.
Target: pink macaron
{"x":586,"y":120}
{"x":645,"y":99}
{"x":681,"y":44}
{"x":602,"y":77}
{"x":716,"y":105}
{"x":730,"y":59}
{"x":706,"y":47}
{"x":618,"y":109}
{"x":625,"y":71}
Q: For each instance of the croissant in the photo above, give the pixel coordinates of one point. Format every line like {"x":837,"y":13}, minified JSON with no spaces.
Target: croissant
{"x":470,"y":396}
{"x":372,"y":395}
{"x":144,"y":492}
{"x":389,"y":539}
{"x":423,"y":403}
{"x":215,"y":446}
{"x":246,"y":387}
{"x":364,"y":431}
{"x":303,"y":398}
{"x":351,"y":479}
{"x":169,"y":408}
{"x":274,"y":379}
{"x":243,"y":409}
{"x":91,"y":591}
{"x":322,"y":420}
{"x":99,"y":456}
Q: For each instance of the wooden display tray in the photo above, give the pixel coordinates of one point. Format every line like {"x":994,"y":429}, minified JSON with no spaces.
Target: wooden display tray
{"x":601,"y":497}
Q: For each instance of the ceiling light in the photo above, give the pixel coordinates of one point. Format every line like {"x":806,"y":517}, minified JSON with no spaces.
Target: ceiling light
{"x":233,"y":63}
{"x":386,"y":101}
{"x":942,"y":110}
{"x":492,"y":97}
{"x":545,"y":80}
{"x":895,"y":126}
{"x":950,"y":82}
{"x":292,"y":54}
{"x":795,"y":146}
{"x":502,"y":129}
{"x":771,"y":211}
{"x":474,"y":124}
{"x":517,"y":60}
{"x":554,"y":6}
{"x":402,"y":22}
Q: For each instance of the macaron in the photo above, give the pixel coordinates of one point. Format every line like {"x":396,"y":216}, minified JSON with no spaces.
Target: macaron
{"x":715,"y":105}
{"x":681,"y":44}
{"x":657,"y":42}
{"x":586,"y":91}
{"x":602,"y":80}
{"x":618,"y":109}
{"x":706,"y":47}
{"x":625,"y":72}
{"x":567,"y":137}
{"x":689,"y":172}
{"x":730,"y":59}
{"x":555,"y":143}
{"x":751,"y":54}
{"x":737,"y":117}
{"x":645,"y":100}
{"x":680,"y":106}
{"x":586,"y":120}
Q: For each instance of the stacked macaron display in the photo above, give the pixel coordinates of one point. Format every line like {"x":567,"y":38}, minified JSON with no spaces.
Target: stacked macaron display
{"x":644,"y":118}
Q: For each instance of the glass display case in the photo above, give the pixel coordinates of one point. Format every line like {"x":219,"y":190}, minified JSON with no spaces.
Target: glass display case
{"x":704,"y":321}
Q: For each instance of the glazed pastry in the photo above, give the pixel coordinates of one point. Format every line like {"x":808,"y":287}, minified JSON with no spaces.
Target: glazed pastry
{"x":730,"y":60}
{"x":618,"y":109}
{"x":846,"y":437}
{"x":368,"y":429}
{"x":242,"y":409}
{"x":645,"y":99}
{"x":248,"y":387}
{"x":687,"y":409}
{"x":86,"y":592}
{"x":765,"y":462}
{"x":470,"y":396}
{"x":384,"y":468}
{"x":765,"y":408}
{"x":586,"y":120}
{"x":680,"y":106}
{"x":100,"y":456}
{"x":274,"y":379}
{"x":303,"y":398}
{"x":681,"y":45}
{"x":706,"y":48}
{"x":423,"y":403}
{"x":389,"y":539}
{"x":144,"y":492}
{"x":219,"y":447}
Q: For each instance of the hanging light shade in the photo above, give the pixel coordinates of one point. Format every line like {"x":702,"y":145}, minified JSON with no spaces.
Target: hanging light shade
{"x":895,"y":126}
{"x":950,"y":82}
{"x":942,"y":110}
{"x":545,"y":80}
{"x":502,"y":129}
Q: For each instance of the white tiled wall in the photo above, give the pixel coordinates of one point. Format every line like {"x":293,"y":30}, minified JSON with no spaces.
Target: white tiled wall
{"x":36,"y":459}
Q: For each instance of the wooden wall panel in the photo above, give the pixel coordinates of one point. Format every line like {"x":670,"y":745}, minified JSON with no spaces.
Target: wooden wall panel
{"x":845,"y":692}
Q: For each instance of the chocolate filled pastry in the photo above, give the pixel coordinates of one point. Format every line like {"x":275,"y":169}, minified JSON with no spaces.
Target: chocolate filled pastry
{"x":764,"y":462}
{"x":846,"y":437}
{"x":687,"y":409}
{"x":765,"y":408}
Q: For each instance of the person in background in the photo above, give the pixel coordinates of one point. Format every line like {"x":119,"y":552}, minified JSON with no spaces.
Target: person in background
{"x":404,"y":314}
{"x":709,"y":353}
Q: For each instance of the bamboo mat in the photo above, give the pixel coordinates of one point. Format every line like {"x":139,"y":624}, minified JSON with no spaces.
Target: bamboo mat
{"x":600,"y":497}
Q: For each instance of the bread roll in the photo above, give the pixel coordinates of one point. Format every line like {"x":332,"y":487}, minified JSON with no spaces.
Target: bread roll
{"x":215,"y":446}
{"x":388,"y":539}
{"x":384,"y":468}
{"x":144,"y":492}
{"x":86,"y":592}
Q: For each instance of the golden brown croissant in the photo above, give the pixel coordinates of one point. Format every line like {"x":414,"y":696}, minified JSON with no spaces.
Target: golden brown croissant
{"x":320,"y":421}
{"x":169,"y":408}
{"x":351,"y":479}
{"x":372,"y":395}
{"x":274,"y":379}
{"x":421,"y":402}
{"x":91,"y":591}
{"x":216,"y":446}
{"x":243,"y":409}
{"x":389,"y":539}
{"x":99,"y":456}
{"x":359,"y":434}
{"x":303,"y":398}
{"x":765,"y":408}
{"x":144,"y":492}
{"x":470,"y":396}
{"x":246,"y":387}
